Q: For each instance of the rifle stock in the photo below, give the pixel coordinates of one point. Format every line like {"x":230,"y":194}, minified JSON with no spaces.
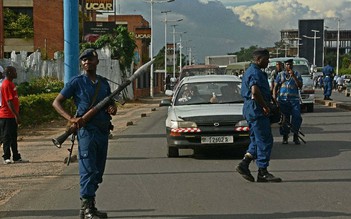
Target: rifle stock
{"x":88,"y":115}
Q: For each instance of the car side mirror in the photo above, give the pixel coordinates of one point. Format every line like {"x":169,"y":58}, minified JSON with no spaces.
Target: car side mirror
{"x":166,"y":102}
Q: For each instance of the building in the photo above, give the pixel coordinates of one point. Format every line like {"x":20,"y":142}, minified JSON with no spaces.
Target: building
{"x":296,"y":43}
{"x":48,"y":27}
{"x":48,"y":35}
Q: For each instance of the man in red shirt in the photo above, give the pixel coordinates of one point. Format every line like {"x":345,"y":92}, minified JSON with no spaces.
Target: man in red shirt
{"x":9,"y":116}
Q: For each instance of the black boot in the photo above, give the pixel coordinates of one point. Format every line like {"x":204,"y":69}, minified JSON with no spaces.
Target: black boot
{"x":296,"y":139}
{"x":285,"y":139}
{"x":89,"y":211}
{"x":243,"y":168}
{"x":264,"y":176}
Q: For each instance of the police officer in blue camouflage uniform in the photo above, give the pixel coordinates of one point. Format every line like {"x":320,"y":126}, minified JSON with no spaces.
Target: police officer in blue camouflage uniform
{"x":286,"y":91}
{"x":328,"y":72}
{"x":87,"y":90}
{"x":256,"y":93}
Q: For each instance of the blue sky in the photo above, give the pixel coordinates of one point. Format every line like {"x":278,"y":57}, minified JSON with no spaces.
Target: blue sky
{"x":218,"y":27}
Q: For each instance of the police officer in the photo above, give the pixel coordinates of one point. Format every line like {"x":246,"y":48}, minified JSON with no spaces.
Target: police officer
{"x":256,"y":93}
{"x":87,"y":90}
{"x":328,"y":72}
{"x":286,"y":91}
{"x":278,"y":68}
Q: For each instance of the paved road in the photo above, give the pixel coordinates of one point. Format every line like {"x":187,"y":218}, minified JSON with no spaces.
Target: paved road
{"x":140,"y":182}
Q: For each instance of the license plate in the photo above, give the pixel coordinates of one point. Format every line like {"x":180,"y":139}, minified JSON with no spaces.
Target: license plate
{"x":216,"y":139}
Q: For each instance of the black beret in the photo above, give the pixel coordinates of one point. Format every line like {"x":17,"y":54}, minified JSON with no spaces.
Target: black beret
{"x":289,"y":61}
{"x":260,"y":52}
{"x":88,"y":53}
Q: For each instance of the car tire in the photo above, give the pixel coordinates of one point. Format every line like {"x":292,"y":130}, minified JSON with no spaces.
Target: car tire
{"x":310,"y":108}
{"x":173,"y":152}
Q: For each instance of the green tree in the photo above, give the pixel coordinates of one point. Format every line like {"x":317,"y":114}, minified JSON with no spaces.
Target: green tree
{"x":121,"y":44}
{"x":244,"y":54}
{"x":17,"y":25}
{"x":346,"y":61}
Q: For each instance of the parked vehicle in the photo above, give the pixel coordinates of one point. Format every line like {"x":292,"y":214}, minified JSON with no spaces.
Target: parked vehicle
{"x":301,"y":65}
{"x":192,"y":70}
{"x":206,"y":111}
{"x":307,"y":93}
{"x":237,"y":68}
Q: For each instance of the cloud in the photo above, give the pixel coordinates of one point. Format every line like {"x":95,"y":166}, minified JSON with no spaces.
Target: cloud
{"x":212,"y":28}
{"x":284,"y":14}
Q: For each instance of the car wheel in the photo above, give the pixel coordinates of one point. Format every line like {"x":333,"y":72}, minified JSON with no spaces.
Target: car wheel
{"x":173,"y":152}
{"x":310,"y":107}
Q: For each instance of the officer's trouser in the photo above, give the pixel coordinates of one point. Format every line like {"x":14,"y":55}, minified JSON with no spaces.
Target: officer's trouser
{"x":261,"y":141}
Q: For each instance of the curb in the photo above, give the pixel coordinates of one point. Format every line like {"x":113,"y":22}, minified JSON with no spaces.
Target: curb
{"x":333,"y":104}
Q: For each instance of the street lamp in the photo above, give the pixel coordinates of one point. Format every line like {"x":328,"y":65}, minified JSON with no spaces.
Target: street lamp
{"x":165,"y":12}
{"x":314,"y":44}
{"x":167,"y":21}
{"x":337,"y":48}
{"x":180,"y":50}
{"x":298,"y":46}
{"x":174,"y":49}
{"x":151,"y":42}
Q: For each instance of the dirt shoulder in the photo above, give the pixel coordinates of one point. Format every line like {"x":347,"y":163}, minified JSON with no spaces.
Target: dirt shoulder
{"x":45,"y":160}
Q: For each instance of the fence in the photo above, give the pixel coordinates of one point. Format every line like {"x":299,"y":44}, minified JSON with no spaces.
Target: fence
{"x":32,"y":66}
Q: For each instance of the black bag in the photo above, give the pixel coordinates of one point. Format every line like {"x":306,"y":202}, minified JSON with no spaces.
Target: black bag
{"x":275,"y":114}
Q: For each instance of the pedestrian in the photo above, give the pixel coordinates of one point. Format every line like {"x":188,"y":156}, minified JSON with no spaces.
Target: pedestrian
{"x":275,"y":72}
{"x":87,"y":90}
{"x":256,"y":94}
{"x":10,"y":117}
{"x":328,"y":72}
{"x":2,"y":77}
{"x":287,"y":93}
{"x":168,"y":82}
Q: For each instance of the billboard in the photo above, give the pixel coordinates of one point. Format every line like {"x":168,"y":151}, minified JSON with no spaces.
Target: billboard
{"x":92,"y":30}
{"x":311,"y":33}
{"x":93,"y":5}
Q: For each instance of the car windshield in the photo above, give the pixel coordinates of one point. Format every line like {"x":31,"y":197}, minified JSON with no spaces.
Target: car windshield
{"x":209,"y":93}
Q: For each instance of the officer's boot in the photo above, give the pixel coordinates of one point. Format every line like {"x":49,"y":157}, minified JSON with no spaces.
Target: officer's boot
{"x":243,"y":168}
{"x":98,"y":213}
{"x":88,"y":211}
{"x":264,"y":176}
{"x":285,"y":139}
{"x":296,"y":139}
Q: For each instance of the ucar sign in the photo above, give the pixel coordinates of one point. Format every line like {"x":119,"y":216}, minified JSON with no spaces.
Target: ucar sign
{"x":105,"y":5}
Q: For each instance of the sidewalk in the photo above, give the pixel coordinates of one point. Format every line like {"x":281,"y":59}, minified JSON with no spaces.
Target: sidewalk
{"x":339,"y":100}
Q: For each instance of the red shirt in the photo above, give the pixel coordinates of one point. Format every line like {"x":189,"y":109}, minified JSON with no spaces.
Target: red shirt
{"x":8,"y":92}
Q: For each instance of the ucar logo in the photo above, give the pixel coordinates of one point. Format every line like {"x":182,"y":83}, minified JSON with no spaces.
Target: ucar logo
{"x":105,"y":5}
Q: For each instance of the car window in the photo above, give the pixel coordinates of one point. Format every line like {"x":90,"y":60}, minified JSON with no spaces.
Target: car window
{"x":302,"y":69}
{"x":209,"y":93}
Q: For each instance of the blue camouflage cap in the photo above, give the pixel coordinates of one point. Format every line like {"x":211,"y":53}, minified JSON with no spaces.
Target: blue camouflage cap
{"x":88,"y":53}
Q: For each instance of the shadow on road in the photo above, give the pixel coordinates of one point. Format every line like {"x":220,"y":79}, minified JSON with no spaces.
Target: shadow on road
{"x":277,"y":215}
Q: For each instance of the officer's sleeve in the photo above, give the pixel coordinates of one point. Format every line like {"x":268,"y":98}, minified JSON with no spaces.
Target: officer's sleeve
{"x":68,"y":89}
{"x":253,"y":80}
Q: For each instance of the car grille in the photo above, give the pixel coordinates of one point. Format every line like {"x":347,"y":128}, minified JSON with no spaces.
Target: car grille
{"x":224,"y":120}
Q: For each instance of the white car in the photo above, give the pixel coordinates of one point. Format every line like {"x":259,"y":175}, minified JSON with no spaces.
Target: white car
{"x":307,"y":93}
{"x":206,"y":111}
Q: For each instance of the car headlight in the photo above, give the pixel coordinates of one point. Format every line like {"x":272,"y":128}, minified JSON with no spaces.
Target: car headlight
{"x":242,"y":123}
{"x":183,"y":124}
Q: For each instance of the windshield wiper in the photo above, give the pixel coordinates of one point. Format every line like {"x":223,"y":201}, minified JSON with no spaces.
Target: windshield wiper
{"x":235,"y":101}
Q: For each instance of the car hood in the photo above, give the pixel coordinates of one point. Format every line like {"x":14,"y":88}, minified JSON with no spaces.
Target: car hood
{"x":207,"y":110}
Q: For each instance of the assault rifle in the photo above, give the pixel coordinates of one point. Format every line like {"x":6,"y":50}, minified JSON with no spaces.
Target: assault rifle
{"x":88,"y":115}
{"x":293,"y":128}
